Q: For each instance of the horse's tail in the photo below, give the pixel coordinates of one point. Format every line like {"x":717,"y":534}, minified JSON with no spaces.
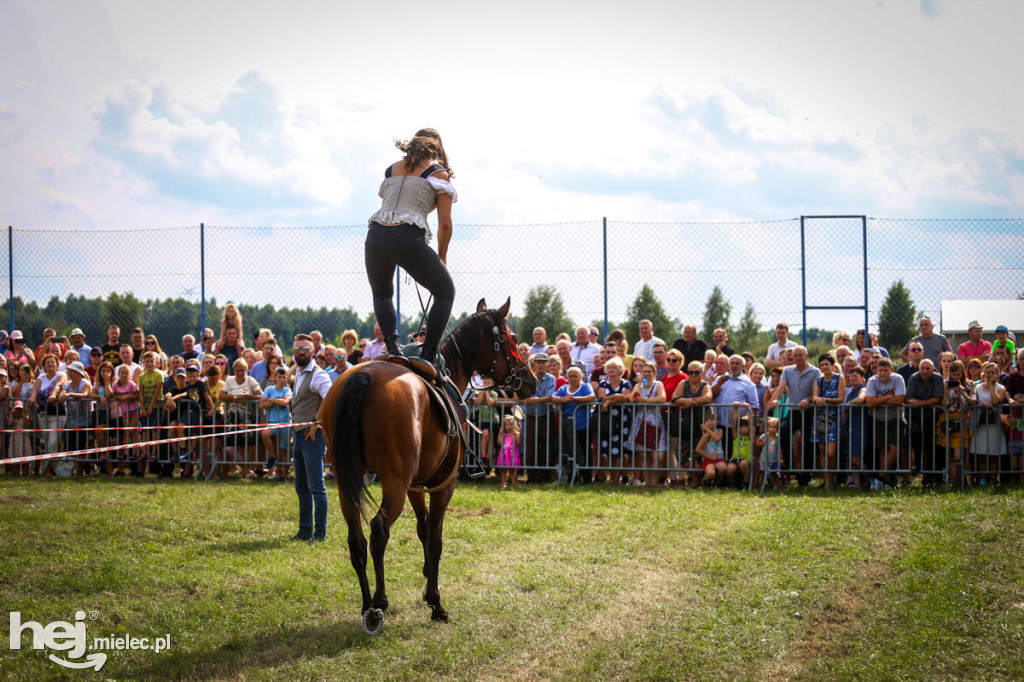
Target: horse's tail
{"x":347,"y":445}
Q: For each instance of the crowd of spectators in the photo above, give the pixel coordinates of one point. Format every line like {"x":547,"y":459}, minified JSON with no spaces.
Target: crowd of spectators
{"x":139,"y":408}
{"x":687,"y":413}
{"x":850,"y":417}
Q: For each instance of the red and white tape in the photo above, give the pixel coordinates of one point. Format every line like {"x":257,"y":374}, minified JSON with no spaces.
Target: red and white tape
{"x":106,"y":429}
{"x":129,"y":446}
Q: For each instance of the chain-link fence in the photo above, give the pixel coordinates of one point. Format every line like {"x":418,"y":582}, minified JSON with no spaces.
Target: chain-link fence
{"x":292,"y":279}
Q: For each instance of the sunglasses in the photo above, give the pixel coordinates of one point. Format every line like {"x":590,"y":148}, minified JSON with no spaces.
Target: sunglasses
{"x":671,"y":359}
{"x":306,"y":349}
{"x":339,"y":357}
{"x":150,"y":343}
{"x":221,"y":364}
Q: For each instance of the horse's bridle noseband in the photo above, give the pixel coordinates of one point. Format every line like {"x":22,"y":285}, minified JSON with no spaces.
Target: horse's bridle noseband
{"x":502,"y":343}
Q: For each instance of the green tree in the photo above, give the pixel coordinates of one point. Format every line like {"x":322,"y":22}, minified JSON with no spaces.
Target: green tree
{"x":716,"y":315}
{"x":897,"y":318}
{"x":646,"y":306}
{"x":746,"y":333}
{"x":126,"y":311}
{"x":544,"y":307}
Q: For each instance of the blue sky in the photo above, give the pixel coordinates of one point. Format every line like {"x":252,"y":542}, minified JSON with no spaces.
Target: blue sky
{"x":127,"y":115}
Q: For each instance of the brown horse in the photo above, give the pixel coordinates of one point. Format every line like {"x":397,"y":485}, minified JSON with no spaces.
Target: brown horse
{"x":379,"y":418}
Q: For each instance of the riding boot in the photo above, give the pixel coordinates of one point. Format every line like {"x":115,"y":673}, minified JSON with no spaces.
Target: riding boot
{"x":391,"y":344}
{"x":428,"y":353}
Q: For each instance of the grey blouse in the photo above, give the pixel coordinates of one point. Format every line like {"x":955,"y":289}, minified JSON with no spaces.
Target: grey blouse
{"x":409,"y":198}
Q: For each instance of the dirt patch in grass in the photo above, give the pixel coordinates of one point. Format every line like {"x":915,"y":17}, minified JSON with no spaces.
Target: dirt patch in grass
{"x":462,"y":511}
{"x":16,"y":499}
{"x":832,"y":627}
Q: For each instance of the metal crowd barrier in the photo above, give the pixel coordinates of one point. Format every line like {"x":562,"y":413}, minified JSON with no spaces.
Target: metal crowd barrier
{"x":248,"y":451}
{"x":850,"y":444}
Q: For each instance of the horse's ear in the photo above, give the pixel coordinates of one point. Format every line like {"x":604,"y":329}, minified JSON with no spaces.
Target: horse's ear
{"x":481,"y":306}
{"x":503,"y":310}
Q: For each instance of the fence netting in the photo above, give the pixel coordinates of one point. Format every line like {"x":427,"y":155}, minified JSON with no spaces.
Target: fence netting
{"x":155,"y":278}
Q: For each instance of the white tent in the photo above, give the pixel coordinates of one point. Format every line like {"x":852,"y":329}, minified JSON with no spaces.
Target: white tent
{"x":957,"y":314}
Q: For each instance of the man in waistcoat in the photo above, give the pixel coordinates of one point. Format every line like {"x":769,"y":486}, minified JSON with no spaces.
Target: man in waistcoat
{"x":311,"y":387}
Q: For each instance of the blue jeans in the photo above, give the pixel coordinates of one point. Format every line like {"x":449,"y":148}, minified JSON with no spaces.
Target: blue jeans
{"x":308,"y":460}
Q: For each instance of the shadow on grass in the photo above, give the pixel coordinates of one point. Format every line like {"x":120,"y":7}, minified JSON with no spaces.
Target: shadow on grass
{"x":263,"y":650}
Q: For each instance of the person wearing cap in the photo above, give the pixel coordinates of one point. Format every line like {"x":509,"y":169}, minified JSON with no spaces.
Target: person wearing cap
{"x":194,"y":400}
{"x":95,"y":360}
{"x":19,"y":350}
{"x":78,"y":345}
{"x":1003,"y":340}
{"x":175,"y":389}
{"x":974,"y":346}
{"x":932,"y":342}
{"x":78,"y":389}
{"x":540,"y":430}
{"x":20,"y":444}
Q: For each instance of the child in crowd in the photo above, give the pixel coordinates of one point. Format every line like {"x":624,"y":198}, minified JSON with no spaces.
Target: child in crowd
{"x":151,"y":382}
{"x":1003,"y":341}
{"x":1016,"y":441}
{"x":742,"y":447}
{"x":101,"y":392}
{"x":177,"y":414}
{"x":770,"y":449}
{"x":277,"y":400}
{"x":125,"y":409}
{"x":21,"y":443}
{"x":232,"y":317}
{"x":508,"y":456}
{"x":711,"y":449}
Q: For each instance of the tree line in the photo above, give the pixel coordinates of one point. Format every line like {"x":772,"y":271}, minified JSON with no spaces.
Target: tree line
{"x":170,"y":319}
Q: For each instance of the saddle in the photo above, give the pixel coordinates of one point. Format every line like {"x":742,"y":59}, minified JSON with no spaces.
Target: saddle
{"x":443,"y":394}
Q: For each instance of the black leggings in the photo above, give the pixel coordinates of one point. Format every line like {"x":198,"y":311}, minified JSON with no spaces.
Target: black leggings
{"x":406,"y":246}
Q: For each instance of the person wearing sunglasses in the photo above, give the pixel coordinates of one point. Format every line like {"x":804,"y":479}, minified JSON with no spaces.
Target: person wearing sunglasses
{"x":19,"y":350}
{"x":152,"y":344}
{"x":311,"y":387}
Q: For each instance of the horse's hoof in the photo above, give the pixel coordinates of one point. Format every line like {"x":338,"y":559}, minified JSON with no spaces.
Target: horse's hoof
{"x":439,"y":614}
{"x":373,"y":621}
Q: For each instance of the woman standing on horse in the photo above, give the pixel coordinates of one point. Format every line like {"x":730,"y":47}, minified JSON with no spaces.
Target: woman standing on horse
{"x":399,"y":235}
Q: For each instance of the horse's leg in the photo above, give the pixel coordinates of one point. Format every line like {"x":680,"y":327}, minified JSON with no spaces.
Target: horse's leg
{"x":435,"y":524}
{"x":419,"y":506}
{"x":391,"y":504}
{"x":357,"y":548}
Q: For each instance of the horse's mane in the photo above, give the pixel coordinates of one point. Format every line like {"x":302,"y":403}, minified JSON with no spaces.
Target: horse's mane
{"x":463,"y":344}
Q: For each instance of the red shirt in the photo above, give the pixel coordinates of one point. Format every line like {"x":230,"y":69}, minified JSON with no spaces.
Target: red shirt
{"x":670,"y":383}
{"x":967,"y":350}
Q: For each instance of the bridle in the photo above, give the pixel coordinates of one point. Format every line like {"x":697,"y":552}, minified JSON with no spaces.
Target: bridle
{"x":504,"y":343}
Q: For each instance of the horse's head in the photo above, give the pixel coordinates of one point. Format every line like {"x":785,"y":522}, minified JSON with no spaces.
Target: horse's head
{"x":484,"y":343}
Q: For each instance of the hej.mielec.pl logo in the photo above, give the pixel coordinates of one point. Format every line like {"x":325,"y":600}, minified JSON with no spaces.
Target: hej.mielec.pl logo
{"x":71,"y":637}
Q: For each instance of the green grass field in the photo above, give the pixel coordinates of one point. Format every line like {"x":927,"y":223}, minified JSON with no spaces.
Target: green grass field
{"x":542,"y":583}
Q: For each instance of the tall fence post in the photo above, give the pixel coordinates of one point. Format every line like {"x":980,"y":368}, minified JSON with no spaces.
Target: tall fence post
{"x":604,"y":232}
{"x":864,"y":232}
{"x":398,"y":302}
{"x":202,"y":279}
{"x":803,"y":282}
{"x":10,"y":271}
